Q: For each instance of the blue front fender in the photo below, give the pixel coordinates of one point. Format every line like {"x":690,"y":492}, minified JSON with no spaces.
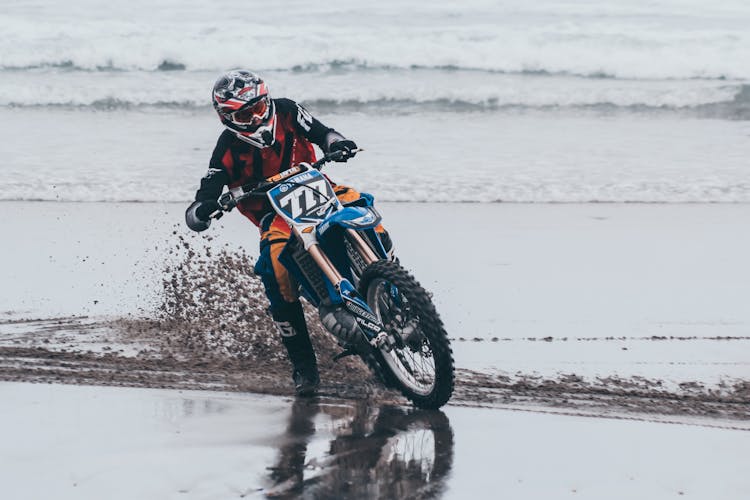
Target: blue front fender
{"x":350,"y":217}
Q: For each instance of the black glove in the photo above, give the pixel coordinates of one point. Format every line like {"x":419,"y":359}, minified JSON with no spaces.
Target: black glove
{"x":198,"y":214}
{"x":348,"y":147}
{"x":206,"y":208}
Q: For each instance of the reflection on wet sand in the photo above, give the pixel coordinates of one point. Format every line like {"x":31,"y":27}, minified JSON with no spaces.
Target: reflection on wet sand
{"x":334,"y":449}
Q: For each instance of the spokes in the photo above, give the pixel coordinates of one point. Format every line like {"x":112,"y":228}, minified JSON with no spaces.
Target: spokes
{"x":409,"y":355}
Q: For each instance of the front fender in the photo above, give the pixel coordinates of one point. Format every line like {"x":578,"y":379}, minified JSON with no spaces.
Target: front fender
{"x":351,"y":218}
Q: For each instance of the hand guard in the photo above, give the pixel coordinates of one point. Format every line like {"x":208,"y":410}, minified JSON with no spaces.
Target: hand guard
{"x":347,"y":146}
{"x":198,"y":214}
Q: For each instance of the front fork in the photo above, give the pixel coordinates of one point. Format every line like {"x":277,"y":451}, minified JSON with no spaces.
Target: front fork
{"x":368,"y":322}
{"x":330,"y":271}
{"x":325,"y":264}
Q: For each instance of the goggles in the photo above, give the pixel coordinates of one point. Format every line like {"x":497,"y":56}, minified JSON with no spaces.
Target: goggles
{"x":253,"y":114}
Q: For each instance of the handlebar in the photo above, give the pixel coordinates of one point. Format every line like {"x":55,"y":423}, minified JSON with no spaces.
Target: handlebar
{"x":231,"y":198}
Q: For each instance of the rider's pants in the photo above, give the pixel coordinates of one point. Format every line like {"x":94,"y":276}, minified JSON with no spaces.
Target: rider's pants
{"x":281,"y":288}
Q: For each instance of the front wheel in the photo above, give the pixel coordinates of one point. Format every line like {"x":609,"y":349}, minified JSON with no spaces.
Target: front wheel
{"x":417,"y":359}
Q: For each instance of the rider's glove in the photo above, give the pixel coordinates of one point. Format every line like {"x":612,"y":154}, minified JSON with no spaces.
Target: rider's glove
{"x":227,"y":202}
{"x":206,"y":208}
{"x":198,"y":214}
{"x":348,"y":147}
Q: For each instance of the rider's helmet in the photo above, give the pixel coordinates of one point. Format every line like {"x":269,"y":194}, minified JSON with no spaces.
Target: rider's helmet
{"x":244,"y":107}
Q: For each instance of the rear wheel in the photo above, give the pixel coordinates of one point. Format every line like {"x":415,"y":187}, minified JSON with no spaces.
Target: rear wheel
{"x":418,"y":359}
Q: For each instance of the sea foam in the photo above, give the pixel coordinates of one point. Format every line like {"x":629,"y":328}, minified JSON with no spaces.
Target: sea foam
{"x":661,"y":39}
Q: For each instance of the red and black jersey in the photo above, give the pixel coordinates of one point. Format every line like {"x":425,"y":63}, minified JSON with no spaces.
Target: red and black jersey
{"x":237,"y":163}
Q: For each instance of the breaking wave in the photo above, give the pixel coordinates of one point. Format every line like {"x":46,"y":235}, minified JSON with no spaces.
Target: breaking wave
{"x":660,"y":39}
{"x":355,"y":66}
{"x":734,"y":108}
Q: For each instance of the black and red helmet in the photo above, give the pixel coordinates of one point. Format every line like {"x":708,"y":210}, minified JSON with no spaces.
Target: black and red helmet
{"x":241,"y":99}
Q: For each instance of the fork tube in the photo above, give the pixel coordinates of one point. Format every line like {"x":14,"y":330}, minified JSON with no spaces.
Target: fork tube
{"x":310,"y":243}
{"x":325,"y":265}
{"x":362,"y":246}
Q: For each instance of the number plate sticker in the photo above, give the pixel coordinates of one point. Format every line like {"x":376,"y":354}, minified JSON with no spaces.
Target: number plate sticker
{"x":305,"y":197}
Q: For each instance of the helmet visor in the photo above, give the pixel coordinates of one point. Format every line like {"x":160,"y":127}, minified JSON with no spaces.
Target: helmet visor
{"x":253,"y":114}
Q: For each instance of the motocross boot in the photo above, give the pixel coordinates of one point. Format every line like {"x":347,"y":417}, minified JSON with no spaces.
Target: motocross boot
{"x":341,"y":323}
{"x":294,"y":335}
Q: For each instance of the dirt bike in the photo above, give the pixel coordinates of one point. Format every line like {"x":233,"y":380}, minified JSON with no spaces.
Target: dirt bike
{"x":339,"y":260}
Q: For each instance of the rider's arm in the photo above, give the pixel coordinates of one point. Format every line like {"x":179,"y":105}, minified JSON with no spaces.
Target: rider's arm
{"x":212,"y":184}
{"x":312,"y":128}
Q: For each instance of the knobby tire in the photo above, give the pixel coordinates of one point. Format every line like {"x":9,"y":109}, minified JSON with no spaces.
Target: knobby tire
{"x":430,"y":325}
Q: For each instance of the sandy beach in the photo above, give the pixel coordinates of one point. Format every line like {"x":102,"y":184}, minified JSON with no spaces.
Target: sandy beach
{"x":569,"y":180}
{"x":564,"y":328}
{"x":150,"y":443}
{"x":655,"y":291}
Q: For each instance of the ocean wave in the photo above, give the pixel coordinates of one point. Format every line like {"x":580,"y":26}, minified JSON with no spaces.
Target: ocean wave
{"x":395,"y":90}
{"x":661,"y":39}
{"x":70,"y":65}
{"x":736,"y":108}
{"x":362,"y":66}
{"x":486,"y":157}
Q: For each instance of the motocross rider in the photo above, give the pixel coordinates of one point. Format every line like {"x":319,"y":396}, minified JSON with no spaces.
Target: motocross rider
{"x":263,"y":137}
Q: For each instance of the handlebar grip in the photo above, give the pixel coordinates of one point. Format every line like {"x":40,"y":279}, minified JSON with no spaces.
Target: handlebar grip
{"x":336,"y":155}
{"x":227,"y":201}
{"x":341,"y":154}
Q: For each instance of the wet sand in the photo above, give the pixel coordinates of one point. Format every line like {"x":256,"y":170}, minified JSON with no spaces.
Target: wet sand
{"x":65,"y":442}
{"x":143,"y":304}
{"x":181,"y":355}
{"x":146,"y":303}
{"x":656,"y":291}
{"x":595,"y":270}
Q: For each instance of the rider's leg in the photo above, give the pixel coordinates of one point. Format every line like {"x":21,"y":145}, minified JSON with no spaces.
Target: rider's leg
{"x":296,"y":340}
{"x":286,"y":309}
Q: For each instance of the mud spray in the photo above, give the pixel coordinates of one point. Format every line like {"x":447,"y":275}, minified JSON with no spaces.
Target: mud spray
{"x":212,"y":306}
